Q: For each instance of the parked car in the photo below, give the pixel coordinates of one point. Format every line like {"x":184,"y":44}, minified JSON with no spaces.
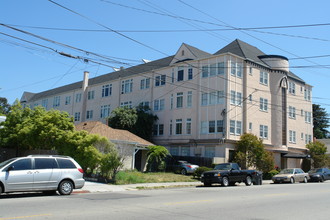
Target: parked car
{"x":44,"y":173}
{"x":229,"y":174}
{"x":291,"y":175}
{"x":319,"y":174}
{"x":184,"y":167}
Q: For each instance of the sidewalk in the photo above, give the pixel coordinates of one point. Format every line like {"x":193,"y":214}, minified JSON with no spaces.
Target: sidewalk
{"x":94,"y":187}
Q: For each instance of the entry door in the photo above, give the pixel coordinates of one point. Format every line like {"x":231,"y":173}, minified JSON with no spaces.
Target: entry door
{"x":20,"y":177}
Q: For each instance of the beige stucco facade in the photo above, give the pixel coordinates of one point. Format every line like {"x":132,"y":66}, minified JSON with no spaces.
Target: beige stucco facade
{"x":205,"y":102}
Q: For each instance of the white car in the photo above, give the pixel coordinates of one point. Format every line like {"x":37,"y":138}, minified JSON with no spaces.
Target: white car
{"x":46,"y":173}
{"x":291,"y":175}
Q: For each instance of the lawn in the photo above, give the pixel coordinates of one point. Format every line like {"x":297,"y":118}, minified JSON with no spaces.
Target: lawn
{"x":131,"y":177}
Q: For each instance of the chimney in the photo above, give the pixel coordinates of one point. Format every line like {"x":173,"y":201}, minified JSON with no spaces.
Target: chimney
{"x":85,"y":81}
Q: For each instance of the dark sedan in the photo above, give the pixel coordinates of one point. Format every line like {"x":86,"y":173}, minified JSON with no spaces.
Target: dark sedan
{"x":319,"y":174}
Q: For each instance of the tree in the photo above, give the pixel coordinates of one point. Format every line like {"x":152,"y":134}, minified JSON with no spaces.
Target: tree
{"x":31,"y":129}
{"x":139,"y":120}
{"x":318,"y":151}
{"x":4,"y":106}
{"x":156,"y":158}
{"x":320,"y":122}
{"x":250,"y":152}
{"x":123,"y":118}
{"x":144,"y":124}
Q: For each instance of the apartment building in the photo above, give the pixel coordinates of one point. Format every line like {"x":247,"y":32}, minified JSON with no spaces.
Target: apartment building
{"x":204,"y":101}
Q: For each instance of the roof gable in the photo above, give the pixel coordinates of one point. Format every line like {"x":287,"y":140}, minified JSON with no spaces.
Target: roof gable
{"x":187,"y":52}
{"x":243,"y":49}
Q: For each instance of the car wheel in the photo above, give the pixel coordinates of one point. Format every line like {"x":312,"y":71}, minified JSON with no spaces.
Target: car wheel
{"x":248,"y":181}
{"x":1,"y":189}
{"x":225,"y":181}
{"x":292,"y":180}
{"x":305,"y":180}
{"x":65,"y":187}
{"x":184,"y":172}
{"x":322,"y":179}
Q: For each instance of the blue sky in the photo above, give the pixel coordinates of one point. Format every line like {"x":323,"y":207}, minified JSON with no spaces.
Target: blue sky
{"x":118,"y":33}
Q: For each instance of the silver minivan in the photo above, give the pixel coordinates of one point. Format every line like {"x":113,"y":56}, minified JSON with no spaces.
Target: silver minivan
{"x":46,"y":173}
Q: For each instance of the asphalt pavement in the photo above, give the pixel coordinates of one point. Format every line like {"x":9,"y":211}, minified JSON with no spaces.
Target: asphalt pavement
{"x":94,"y":187}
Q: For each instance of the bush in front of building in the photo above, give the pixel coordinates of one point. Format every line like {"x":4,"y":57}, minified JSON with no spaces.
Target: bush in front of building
{"x":270,"y":174}
{"x":198,"y":172}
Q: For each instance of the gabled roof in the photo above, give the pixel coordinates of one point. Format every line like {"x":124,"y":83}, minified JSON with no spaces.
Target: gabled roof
{"x":190,"y":53}
{"x":244,"y":50}
{"x":116,"y":135}
{"x":27,"y":96}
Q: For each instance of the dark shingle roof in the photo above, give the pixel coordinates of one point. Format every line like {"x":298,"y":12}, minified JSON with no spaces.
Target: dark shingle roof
{"x":197,"y":52}
{"x":107,"y":77}
{"x":243,"y":49}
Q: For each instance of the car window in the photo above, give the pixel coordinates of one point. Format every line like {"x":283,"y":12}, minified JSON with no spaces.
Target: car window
{"x":286,"y":171}
{"x":45,"y":163}
{"x":6,"y":162}
{"x":66,"y":164}
{"x":23,"y":164}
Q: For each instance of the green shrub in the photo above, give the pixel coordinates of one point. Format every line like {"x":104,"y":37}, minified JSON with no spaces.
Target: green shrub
{"x":123,"y":177}
{"x":198,"y":172}
{"x":270,"y":174}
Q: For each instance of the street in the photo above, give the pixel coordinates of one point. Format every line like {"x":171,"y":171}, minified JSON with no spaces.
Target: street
{"x":271,"y":201}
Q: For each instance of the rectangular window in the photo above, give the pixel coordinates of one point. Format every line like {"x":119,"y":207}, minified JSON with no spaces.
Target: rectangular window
{"x":146,"y":103}
{"x":158,"y":130}
{"x":232,"y":97}
{"x":126,"y":104}
{"x":308,"y":117}
{"x":213,"y":98}
{"x":250,"y":70}
{"x":307,"y":94}
{"x":106,"y":90}
{"x":232,"y":126}
{"x":189,"y":99}
{"x":233,"y":68}
{"x":68,"y":100}
{"x":221,"y":97}
{"x":209,"y":151}
{"x":190,"y":74}
{"x":90,"y":95}
{"x":263,"y":78}
{"x":180,"y":73}
{"x":78,"y":97}
{"x":160,"y":80}
{"x":292,"y":112}
{"x":179,"y":100}
{"x":263,"y":104}
{"x":238,"y":127}
{"x":44,"y":103}
{"x":105,"y":111}
{"x":171,"y":128}
{"x":89,"y":114}
{"x":205,"y":71}
{"x":213,"y":69}
{"x":264,"y":131}
{"x":250,"y":126}
{"x":145,"y":83}
{"x":221,"y":68}
{"x":185,"y":151}
{"x":178,"y":126}
{"x":174,"y":151}
{"x":219,"y":125}
{"x":302,"y":136}
{"x":211,"y":127}
{"x":239,"y":70}
{"x":188,"y":126}
{"x":292,"y":136}
{"x":292,"y":88}
{"x":56,"y":101}
{"x":77,"y":116}
{"x":159,"y":104}
{"x":205,"y":99}
{"x":127,"y":86}
{"x":171,"y":100}
{"x":204,"y":126}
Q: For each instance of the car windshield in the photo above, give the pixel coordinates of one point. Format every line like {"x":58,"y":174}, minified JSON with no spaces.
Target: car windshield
{"x":287,"y":171}
{"x":315,"y":171}
{"x":222,"y":167}
{"x":6,"y":162}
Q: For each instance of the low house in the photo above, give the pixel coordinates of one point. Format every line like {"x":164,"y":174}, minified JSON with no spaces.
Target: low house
{"x":130,"y":146}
